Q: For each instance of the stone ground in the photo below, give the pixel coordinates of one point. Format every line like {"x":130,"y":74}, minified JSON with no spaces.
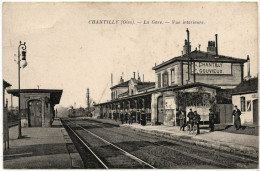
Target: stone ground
{"x":40,"y":148}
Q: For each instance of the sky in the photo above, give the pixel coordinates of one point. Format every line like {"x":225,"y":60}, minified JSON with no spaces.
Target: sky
{"x":65,"y":51}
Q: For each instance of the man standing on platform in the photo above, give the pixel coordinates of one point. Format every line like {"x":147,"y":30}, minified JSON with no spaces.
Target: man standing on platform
{"x":191,"y":116}
{"x":182,"y":120}
{"x":237,"y":121}
{"x":143,"y":118}
{"x":126,"y":117}
{"x":211,"y":120}
{"x":197,"y":121}
{"x":122,"y":117}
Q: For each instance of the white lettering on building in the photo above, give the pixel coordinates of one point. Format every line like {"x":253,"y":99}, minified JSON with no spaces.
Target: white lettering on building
{"x":214,"y":68}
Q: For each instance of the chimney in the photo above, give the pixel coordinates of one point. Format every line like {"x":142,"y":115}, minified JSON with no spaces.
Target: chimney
{"x":216,"y":35}
{"x":187,"y":46}
{"x":139,"y":79}
{"x":111,"y":80}
{"x":121,"y":79}
{"x":134,"y":75}
{"x":143,"y":77}
{"x":88,"y":98}
{"x":248,"y":66}
{"x":211,"y":49}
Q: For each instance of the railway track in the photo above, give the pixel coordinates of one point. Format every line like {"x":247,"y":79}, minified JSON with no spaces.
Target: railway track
{"x":107,"y":154}
{"x":221,"y":159}
{"x":239,"y":161}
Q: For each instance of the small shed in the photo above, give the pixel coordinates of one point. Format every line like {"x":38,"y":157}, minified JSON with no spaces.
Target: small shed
{"x":245,"y":96}
{"x":37,"y":106}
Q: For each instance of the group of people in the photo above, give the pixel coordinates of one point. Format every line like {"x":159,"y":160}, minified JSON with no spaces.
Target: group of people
{"x":194,"y":119}
{"x":130,"y":117}
{"x":126,"y":118}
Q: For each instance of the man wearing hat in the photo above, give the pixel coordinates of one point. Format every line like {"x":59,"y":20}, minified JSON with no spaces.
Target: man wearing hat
{"x":211,"y":120}
{"x":191,"y":116}
{"x":237,"y":121}
{"x":197,"y":121}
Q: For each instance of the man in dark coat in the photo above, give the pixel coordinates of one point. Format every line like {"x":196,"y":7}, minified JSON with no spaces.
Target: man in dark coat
{"x":130,"y":118}
{"x":211,"y":120}
{"x":197,"y":121}
{"x":138,"y":115}
{"x":191,"y":116}
{"x":126,"y":117}
{"x":182,"y":120}
{"x":143,"y":118}
{"x":122,"y":117}
{"x":237,"y":121}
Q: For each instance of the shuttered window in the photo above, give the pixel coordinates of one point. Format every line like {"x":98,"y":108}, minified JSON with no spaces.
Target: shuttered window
{"x":173,"y":76}
{"x":159,"y":80}
{"x":165,"y":79}
{"x":243,"y":104}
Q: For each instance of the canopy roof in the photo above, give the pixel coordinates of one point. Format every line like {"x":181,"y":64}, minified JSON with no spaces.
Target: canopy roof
{"x":55,"y":94}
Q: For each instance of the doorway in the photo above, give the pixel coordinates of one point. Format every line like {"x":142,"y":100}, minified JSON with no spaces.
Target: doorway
{"x":160,"y":110}
{"x":35,"y":113}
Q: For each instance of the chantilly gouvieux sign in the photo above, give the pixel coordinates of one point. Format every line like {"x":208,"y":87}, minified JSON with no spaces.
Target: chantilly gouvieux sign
{"x":214,"y":68}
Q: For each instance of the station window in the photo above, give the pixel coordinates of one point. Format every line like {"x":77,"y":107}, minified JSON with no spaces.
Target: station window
{"x":243,"y":104}
{"x":165,"y":79}
{"x":248,"y":105}
{"x":173,"y":76}
{"x":159,"y":80}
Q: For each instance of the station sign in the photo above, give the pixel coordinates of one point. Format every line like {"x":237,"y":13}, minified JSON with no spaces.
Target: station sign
{"x":170,"y":103}
{"x":212,"y":68}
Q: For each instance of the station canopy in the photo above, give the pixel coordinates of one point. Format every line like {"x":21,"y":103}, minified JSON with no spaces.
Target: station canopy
{"x":55,"y":94}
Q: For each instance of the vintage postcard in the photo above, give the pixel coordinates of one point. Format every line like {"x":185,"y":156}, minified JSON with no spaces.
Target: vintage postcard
{"x":130,"y":85}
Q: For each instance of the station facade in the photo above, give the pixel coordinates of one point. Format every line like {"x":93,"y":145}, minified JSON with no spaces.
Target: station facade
{"x":245,"y":96}
{"x":37,"y":106}
{"x":195,"y":80}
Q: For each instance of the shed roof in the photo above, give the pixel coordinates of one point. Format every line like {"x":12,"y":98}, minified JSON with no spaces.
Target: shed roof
{"x":246,"y":86}
{"x":55,"y":94}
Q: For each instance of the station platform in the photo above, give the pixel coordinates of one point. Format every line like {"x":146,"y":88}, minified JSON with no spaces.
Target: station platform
{"x":243,"y":144}
{"x":39,"y":148}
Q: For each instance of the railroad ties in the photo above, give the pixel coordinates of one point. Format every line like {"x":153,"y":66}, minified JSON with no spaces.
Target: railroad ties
{"x":108,"y":155}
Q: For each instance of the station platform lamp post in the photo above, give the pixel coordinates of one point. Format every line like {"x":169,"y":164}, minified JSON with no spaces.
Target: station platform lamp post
{"x":21,"y":52}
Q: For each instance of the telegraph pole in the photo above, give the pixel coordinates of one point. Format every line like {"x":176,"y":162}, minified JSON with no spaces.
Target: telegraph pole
{"x":22,"y":46}
{"x":188,"y":54}
{"x":88,"y":98}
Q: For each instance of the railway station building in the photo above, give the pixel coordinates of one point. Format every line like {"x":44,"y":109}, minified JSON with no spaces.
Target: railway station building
{"x":195,"y":80}
{"x":245,"y":97}
{"x":37,"y":106}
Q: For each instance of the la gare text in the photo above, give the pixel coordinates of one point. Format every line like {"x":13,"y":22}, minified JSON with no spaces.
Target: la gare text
{"x":153,"y":22}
